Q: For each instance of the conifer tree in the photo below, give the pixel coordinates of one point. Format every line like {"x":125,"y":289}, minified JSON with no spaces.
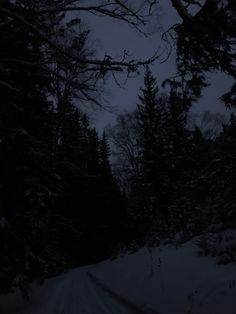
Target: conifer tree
{"x":50,"y":160}
{"x":150,"y":120}
{"x":25,"y":153}
{"x":220,"y":203}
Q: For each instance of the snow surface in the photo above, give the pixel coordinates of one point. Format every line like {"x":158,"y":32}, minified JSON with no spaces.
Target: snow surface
{"x":163,"y":280}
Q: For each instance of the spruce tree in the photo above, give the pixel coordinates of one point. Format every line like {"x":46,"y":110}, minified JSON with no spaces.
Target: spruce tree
{"x":25,"y":153}
{"x":149,"y":194}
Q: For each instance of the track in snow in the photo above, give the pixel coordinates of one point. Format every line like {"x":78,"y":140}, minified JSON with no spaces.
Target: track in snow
{"x":116,"y":300}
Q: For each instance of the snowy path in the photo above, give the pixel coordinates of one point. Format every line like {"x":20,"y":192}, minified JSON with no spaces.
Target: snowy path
{"x":78,"y":292}
{"x":116,"y":301}
{"x":165,"y":280}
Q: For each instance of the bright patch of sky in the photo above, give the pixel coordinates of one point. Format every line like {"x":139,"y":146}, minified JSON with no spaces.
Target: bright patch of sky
{"x":112,"y":37}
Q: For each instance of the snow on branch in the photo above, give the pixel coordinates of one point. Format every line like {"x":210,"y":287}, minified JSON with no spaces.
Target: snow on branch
{"x":9,"y":87}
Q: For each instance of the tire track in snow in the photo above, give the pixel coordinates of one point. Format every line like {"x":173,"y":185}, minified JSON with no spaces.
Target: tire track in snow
{"x":130,"y":307}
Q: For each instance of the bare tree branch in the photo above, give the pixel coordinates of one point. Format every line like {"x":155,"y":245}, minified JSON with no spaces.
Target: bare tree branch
{"x":103,"y":65}
{"x":116,"y":9}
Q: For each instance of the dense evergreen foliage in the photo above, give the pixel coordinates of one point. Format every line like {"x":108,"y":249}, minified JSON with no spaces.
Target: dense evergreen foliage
{"x":60,"y":205}
{"x":185,"y":180}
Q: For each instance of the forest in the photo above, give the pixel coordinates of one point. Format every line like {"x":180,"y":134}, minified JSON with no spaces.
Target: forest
{"x":70,"y":196}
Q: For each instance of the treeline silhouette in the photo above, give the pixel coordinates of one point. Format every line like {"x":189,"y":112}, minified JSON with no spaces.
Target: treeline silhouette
{"x":59,"y":203}
{"x":178,"y":179}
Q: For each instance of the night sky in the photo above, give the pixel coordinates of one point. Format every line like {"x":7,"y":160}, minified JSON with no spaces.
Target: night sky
{"x":112,"y":37}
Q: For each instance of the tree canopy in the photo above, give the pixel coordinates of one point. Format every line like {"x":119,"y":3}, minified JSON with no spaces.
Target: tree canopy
{"x":204,"y":38}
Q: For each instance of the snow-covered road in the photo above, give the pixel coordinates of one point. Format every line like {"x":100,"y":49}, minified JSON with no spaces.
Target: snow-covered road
{"x":78,"y":291}
{"x":164,"y":280}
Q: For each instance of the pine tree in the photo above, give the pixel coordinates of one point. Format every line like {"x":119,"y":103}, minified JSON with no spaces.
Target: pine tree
{"x":149,"y":193}
{"x":25,"y":153}
{"x":220,"y":177}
